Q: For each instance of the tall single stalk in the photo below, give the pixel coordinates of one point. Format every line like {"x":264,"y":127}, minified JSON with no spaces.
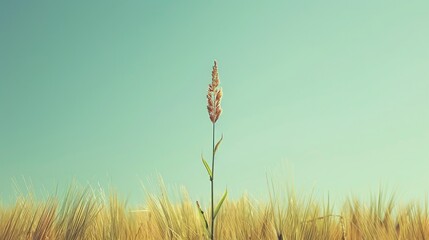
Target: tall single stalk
{"x":214,"y":97}
{"x":212,"y":184}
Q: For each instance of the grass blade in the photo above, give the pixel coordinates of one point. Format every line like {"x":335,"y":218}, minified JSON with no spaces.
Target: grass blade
{"x":209,"y":171}
{"x":220,"y":203}
{"x":206,"y":224}
{"x":217,"y":144}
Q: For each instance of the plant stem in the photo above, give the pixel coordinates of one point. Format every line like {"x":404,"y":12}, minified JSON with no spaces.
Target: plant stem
{"x":212,"y":190}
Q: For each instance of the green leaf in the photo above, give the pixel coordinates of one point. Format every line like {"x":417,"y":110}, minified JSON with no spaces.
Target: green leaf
{"x":206,"y":225}
{"x":220,"y":203}
{"x":217,"y":144}
{"x":209,"y":171}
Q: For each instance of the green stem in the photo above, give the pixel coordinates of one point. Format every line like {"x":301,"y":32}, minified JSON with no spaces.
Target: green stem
{"x":212,"y":180}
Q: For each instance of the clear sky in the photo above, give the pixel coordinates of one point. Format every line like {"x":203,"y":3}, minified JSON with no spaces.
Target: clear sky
{"x":333,"y":93}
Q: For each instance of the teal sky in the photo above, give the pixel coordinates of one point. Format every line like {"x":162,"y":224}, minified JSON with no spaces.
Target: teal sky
{"x":333,"y":93}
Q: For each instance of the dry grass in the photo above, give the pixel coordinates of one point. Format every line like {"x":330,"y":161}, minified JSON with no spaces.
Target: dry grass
{"x":83,"y":214}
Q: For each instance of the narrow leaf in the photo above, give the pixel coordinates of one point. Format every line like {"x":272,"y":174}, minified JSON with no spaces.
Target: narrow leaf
{"x":220,"y":203}
{"x":217,"y":144}
{"x":209,"y":171}
{"x":206,"y":225}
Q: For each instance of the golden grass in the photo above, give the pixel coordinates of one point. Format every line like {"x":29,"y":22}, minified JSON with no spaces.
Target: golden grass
{"x":82,"y":214}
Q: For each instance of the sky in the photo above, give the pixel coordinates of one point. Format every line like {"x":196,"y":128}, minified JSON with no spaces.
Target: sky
{"x":327,"y":96}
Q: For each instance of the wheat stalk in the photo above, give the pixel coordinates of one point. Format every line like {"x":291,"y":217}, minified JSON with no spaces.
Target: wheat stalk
{"x":214,"y":98}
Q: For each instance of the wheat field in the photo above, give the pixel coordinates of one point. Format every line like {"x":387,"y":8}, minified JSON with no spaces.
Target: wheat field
{"x":86,"y":214}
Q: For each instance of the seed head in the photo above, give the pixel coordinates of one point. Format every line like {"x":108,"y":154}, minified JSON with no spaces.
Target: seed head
{"x":214,"y":96}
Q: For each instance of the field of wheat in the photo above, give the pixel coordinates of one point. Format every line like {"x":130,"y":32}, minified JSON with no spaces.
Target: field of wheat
{"x":85,"y":214}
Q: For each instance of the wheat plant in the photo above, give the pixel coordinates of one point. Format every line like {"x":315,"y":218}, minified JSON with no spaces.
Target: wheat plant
{"x":214,"y":98}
